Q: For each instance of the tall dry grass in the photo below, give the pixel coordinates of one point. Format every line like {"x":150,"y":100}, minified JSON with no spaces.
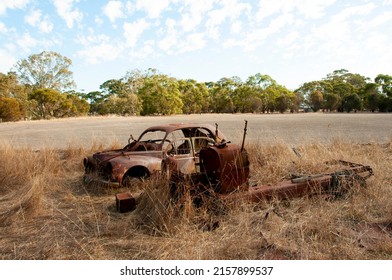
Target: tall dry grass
{"x":47,"y":213}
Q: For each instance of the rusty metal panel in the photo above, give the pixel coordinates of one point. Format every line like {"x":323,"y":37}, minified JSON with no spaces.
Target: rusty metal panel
{"x":227,"y":167}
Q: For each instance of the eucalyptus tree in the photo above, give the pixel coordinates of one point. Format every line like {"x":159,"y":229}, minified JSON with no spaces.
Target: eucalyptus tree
{"x":384,"y":83}
{"x":11,"y":89}
{"x":160,"y":95}
{"x":195,"y":96}
{"x":222,"y":93}
{"x":47,"y":69}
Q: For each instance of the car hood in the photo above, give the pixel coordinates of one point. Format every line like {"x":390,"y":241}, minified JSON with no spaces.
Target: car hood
{"x":107,"y":155}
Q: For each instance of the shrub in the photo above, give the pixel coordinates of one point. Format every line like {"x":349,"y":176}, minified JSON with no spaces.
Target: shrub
{"x":9,"y":109}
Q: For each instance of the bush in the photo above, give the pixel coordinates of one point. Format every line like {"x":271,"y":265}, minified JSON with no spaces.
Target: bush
{"x":9,"y":109}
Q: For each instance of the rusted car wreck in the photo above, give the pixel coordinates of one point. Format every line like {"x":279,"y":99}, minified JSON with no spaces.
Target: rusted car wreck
{"x":198,"y":157}
{"x":145,"y":156}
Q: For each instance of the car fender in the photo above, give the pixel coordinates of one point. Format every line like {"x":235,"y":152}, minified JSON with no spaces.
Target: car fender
{"x":121,"y":165}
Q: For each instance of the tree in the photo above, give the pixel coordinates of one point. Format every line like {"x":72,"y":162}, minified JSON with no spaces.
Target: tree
{"x":195,"y":96}
{"x":48,"y":103}
{"x":385,"y":82}
{"x":222,"y":93}
{"x":46,"y":70}
{"x":260,"y":81}
{"x":316,"y":100}
{"x":126,"y":105}
{"x":351,"y":102}
{"x":297,"y":100}
{"x":10,"y":88}
{"x":332,"y":101}
{"x":160,"y":95}
{"x":269,"y":97}
{"x":80,"y":106}
{"x":247,"y":99}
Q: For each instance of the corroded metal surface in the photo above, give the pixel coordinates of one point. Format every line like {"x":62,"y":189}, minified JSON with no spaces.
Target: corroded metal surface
{"x":143,"y":157}
{"x":336,"y":183}
{"x":198,"y":158}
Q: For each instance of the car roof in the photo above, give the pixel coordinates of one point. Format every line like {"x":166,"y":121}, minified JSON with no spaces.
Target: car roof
{"x":168,"y":128}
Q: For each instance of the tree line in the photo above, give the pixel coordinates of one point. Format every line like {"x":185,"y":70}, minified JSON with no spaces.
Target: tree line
{"x":41,"y":87}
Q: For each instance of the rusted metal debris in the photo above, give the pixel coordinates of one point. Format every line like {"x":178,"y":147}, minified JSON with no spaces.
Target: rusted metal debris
{"x":198,"y":157}
{"x":125,"y":202}
{"x":143,"y":157}
{"x":336,"y":183}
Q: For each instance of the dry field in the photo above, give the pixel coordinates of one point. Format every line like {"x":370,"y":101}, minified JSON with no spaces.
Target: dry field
{"x":47,"y":213}
{"x":293,"y":129}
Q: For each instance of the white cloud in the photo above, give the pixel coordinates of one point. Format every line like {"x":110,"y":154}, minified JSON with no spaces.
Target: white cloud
{"x":12,"y":4}
{"x":267,"y":8}
{"x":289,"y":39}
{"x":153,"y":8}
{"x":257,"y":36}
{"x":336,"y":35}
{"x":98,"y":48}
{"x":3,"y":28}
{"x":309,"y":8}
{"x":314,"y":9}
{"x":99,"y":53}
{"x":236,"y":27}
{"x":376,"y":22}
{"x":132,"y":31}
{"x":7,"y":61}
{"x":146,"y":51}
{"x":66,"y":11}
{"x":33,"y":17}
{"x":171,"y":38}
{"x":98,"y":21}
{"x":26,"y":42}
{"x":231,"y":9}
{"x":35,"y":20}
{"x":354,"y":11}
{"x":114,"y":10}
{"x":193,"y":13}
{"x":192,"y":42}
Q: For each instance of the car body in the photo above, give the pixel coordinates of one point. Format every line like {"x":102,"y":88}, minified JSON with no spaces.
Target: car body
{"x":143,"y":157}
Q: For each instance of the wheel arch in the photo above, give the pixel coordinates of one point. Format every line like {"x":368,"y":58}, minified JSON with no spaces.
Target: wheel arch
{"x":137,"y":171}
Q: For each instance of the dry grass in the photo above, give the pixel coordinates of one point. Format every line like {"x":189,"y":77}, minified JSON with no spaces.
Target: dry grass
{"x":47,"y":213}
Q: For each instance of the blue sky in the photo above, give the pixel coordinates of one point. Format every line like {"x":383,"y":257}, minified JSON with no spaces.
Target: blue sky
{"x":293,"y":41}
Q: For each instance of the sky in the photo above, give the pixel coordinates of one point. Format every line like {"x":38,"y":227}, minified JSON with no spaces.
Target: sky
{"x":293,"y":41}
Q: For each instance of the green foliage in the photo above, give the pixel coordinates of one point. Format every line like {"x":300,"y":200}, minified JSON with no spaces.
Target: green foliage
{"x":116,"y":97}
{"x":385,"y":104}
{"x":80,"y":106}
{"x":195,"y":97}
{"x":49,"y":103}
{"x":45,"y":70}
{"x":332,"y":101}
{"x":221,"y":94}
{"x":10,"y":88}
{"x":385,"y":82}
{"x":37,"y":83}
{"x":345,"y":91}
{"x":126,"y":105}
{"x":9,"y":109}
{"x":247,"y":99}
{"x":316,"y":100}
{"x":160,"y":95}
{"x":352,"y":102}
